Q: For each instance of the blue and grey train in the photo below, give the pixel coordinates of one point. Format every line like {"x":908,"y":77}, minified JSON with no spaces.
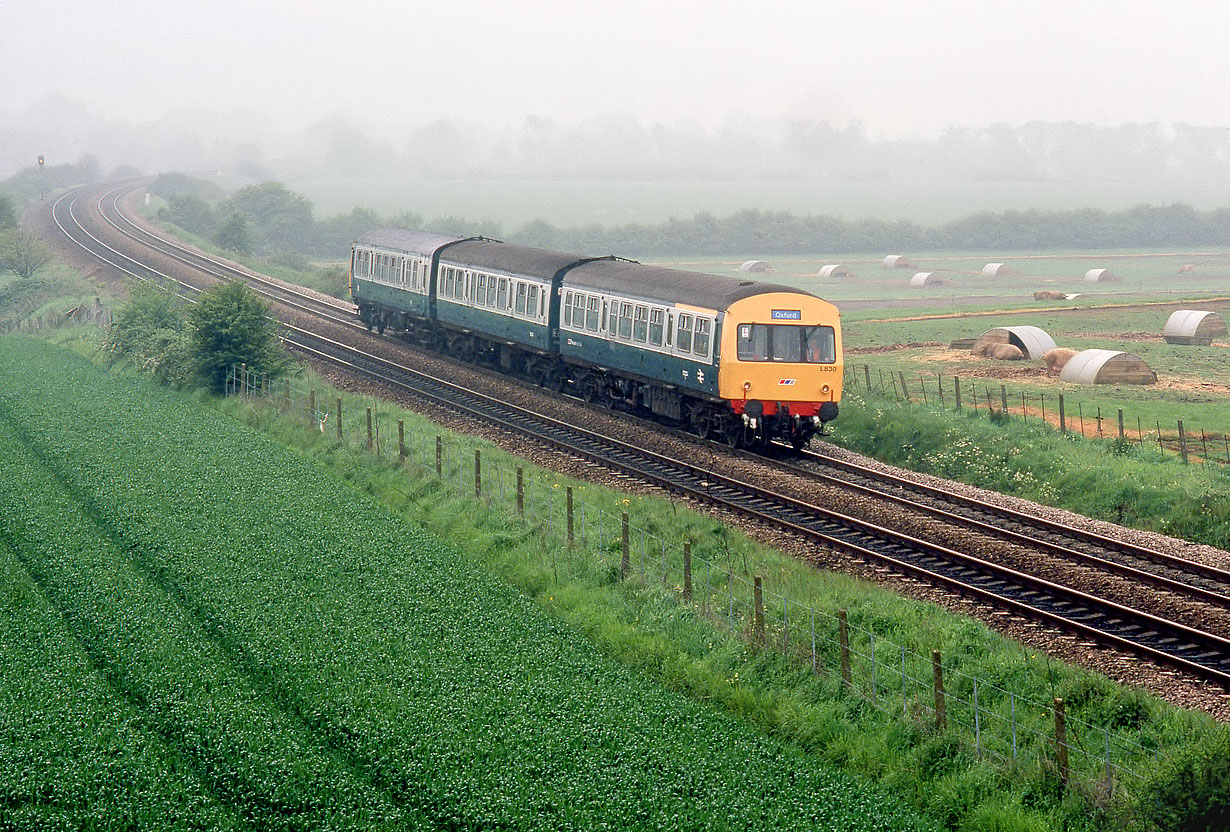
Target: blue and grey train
{"x":738,"y":361}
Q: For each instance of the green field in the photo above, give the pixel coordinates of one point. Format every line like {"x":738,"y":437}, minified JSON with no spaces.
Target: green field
{"x":203,"y":630}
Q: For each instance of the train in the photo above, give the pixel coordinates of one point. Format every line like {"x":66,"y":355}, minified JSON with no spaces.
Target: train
{"x":737,"y":361}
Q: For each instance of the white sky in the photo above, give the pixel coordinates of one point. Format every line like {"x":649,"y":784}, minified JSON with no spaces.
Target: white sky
{"x":903,"y":68}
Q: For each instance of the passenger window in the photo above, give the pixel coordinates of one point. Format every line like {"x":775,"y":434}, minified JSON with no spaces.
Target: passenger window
{"x":448,"y":283}
{"x":568,"y":309}
{"x":640,"y":324}
{"x":491,"y":290}
{"x":612,"y":323}
{"x":531,"y":303}
{"x":502,"y":300}
{"x":625,"y":320}
{"x":684,"y":339}
{"x":592,"y":313}
{"x":655,"y":327}
{"x":700,"y":345}
{"x":520,"y":298}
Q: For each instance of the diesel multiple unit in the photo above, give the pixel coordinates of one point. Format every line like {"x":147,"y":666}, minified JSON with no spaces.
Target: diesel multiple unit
{"x":734,"y":360}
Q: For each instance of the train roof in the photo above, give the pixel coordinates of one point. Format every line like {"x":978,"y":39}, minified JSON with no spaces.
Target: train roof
{"x":406,"y":241}
{"x":658,"y":283}
{"x":504,"y":257}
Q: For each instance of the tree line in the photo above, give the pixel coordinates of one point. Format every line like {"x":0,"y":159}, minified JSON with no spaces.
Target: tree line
{"x":270,"y":220}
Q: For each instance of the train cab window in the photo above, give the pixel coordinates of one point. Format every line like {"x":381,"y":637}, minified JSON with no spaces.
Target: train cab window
{"x":520,"y":298}
{"x":819,"y":345}
{"x":655,"y":327}
{"x":683,"y":338}
{"x":640,"y":324}
{"x":592,"y":314}
{"x":752,"y":342}
{"x":625,"y":320}
{"x":700,"y":344}
{"x":531,"y":302}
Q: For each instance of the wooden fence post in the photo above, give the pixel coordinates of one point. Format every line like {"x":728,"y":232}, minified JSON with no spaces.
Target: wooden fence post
{"x":956,"y":388}
{"x":625,"y":558}
{"x":571,"y":538}
{"x":1003,"y":399}
{"x":440,"y":459}
{"x":520,"y":492}
{"x":843,"y":637}
{"x":867,"y":375}
{"x":687,"y":570}
{"x":904,"y":390}
{"x":369,"y":428}
{"x":1121,"y":424}
{"x":478,"y":473}
{"x":1061,"y":740}
{"x":937,"y":673}
{"x":339,"y":417}
{"x":1182,"y":442}
{"x":401,"y":440}
{"x":758,"y":606}
{"x":1063,"y":420}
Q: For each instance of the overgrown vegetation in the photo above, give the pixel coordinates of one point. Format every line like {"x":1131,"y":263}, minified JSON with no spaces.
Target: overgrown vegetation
{"x":180,"y":344}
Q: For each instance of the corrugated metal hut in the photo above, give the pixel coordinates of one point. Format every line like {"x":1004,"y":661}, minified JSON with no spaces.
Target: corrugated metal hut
{"x":1107,"y":367}
{"x":1194,"y":327}
{"x":896,"y":261}
{"x":1100,"y":276}
{"x":755,"y":266}
{"x":1031,"y":340}
{"x":921,"y":279}
{"x":834,"y":270}
{"x":996,"y":270}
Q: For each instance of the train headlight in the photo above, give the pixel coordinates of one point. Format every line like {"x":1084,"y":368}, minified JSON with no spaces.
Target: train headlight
{"x":747,"y":385}
{"x":824,"y":388}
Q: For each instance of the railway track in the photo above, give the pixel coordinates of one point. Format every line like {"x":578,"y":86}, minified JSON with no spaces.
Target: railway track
{"x":1139,"y":632}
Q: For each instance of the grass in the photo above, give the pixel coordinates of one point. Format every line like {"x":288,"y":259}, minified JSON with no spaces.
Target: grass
{"x":299,"y":657}
{"x":648,"y":628}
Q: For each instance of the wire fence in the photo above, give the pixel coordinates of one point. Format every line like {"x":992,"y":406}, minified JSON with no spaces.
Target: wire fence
{"x":923,"y":689}
{"x":995,"y":399}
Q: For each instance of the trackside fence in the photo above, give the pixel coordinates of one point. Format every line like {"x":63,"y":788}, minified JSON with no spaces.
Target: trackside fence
{"x":998,"y":401}
{"x":846,"y":657}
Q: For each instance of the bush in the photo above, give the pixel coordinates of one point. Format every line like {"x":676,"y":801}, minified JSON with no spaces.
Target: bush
{"x":1191,"y":792}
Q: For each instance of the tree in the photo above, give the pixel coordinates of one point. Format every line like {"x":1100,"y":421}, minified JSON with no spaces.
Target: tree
{"x":8,"y":214}
{"x":280,"y":219}
{"x":151,"y":331}
{"x":230,"y":325}
{"x":233,"y":234}
{"x":22,"y":254}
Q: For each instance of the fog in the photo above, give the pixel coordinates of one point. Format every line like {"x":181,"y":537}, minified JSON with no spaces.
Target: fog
{"x":641,"y":89}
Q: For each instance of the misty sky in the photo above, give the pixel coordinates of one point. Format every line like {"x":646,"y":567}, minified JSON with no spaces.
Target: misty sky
{"x":902,"y":68}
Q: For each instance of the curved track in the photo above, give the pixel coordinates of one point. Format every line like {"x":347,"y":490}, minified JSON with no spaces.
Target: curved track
{"x":1204,"y":654}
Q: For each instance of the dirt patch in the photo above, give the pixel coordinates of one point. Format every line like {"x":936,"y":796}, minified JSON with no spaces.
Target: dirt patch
{"x":913,"y":345}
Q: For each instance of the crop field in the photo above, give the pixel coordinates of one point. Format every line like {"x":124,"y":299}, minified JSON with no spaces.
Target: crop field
{"x":204,"y":630}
